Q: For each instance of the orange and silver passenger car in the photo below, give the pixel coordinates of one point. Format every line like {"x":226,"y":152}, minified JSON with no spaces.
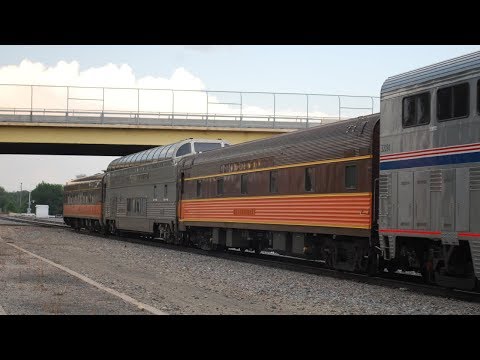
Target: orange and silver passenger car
{"x":295,"y":193}
{"x":83,"y":204}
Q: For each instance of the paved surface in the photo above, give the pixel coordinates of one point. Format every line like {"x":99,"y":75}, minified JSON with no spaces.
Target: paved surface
{"x":32,"y":286}
{"x":58,"y":271}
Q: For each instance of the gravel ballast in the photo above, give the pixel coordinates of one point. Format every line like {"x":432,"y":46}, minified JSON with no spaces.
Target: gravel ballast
{"x":179,"y":282}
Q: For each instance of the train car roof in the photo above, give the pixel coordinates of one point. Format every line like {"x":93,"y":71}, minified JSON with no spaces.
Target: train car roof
{"x":95,"y":177}
{"x":156,"y":154}
{"x":341,"y":139}
{"x":459,"y":65}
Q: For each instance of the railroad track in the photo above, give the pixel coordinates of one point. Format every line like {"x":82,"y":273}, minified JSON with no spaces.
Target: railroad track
{"x":395,"y":280}
{"x":43,"y":223}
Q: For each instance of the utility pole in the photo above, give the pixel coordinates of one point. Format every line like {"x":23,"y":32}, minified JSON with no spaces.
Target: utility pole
{"x":20,"y":205}
{"x":29,"y":210}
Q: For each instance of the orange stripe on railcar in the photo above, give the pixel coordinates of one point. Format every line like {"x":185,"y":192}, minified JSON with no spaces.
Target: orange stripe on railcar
{"x":83,"y":211}
{"x":338,"y":210}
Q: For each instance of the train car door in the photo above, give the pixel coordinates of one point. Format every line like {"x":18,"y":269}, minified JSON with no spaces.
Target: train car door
{"x":405,"y":200}
{"x":462,"y":199}
{"x":422,"y":200}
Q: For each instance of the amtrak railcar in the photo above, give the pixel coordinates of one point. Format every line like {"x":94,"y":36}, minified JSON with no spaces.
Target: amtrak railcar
{"x":430,"y":172}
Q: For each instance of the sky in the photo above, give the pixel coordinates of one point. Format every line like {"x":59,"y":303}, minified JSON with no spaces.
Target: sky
{"x":350,"y":70}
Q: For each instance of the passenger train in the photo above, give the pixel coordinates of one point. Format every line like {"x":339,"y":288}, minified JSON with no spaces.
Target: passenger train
{"x":398,"y":190}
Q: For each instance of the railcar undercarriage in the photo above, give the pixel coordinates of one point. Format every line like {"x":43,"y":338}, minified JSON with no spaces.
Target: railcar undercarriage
{"x":444,"y":264}
{"x":336,"y":252}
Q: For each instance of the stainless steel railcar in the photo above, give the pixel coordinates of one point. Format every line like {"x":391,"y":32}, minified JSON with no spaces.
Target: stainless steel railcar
{"x":430,"y":171}
{"x":141,"y":188}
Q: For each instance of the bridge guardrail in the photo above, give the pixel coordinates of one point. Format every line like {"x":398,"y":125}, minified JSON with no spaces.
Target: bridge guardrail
{"x":229,"y":116}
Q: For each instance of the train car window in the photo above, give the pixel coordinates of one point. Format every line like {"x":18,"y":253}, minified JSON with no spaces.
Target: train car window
{"x":274,"y":181}
{"x":409,"y":111}
{"x":150,"y":154}
{"x":202,"y":147}
{"x":157,"y":152}
{"x":199,"y":188}
{"x":170,"y":151}
{"x":416,"y":110}
{"x":478,"y":96}
{"x":243,"y":184}
{"x":309,"y":179}
{"x":351,"y":176}
{"x":135,"y":158}
{"x":423,"y":109}
{"x":165,"y":191}
{"x":220,"y":186}
{"x":184,"y":149}
{"x":164,"y":151}
{"x":452,"y":102}
{"x":144,"y":156}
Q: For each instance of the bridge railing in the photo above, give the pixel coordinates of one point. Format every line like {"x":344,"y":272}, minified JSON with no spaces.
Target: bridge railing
{"x":106,"y":105}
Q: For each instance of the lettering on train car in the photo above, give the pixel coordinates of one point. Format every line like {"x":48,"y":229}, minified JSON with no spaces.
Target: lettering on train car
{"x":244,"y":212}
{"x":247,"y":165}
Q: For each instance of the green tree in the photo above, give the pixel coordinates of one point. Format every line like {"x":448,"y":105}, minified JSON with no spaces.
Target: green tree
{"x":44,"y":194}
{"x":9,"y":200}
{"x":49,"y":194}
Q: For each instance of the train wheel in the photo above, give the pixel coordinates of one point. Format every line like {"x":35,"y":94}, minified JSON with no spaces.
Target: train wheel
{"x":113,"y":228}
{"x":372,"y":267}
{"x":104,"y":231}
{"x":392,"y":266}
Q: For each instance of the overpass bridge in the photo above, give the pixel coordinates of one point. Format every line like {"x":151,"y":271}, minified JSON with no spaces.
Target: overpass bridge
{"x":75,"y":120}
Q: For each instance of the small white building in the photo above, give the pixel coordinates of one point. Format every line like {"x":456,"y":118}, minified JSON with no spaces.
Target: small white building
{"x":41,"y":211}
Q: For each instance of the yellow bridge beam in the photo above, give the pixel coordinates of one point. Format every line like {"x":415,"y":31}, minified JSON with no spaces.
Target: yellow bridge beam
{"x":53,"y":133}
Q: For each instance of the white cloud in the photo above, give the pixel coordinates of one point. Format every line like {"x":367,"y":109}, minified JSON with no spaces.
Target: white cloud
{"x":111,"y":75}
{"x":58,"y":169}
